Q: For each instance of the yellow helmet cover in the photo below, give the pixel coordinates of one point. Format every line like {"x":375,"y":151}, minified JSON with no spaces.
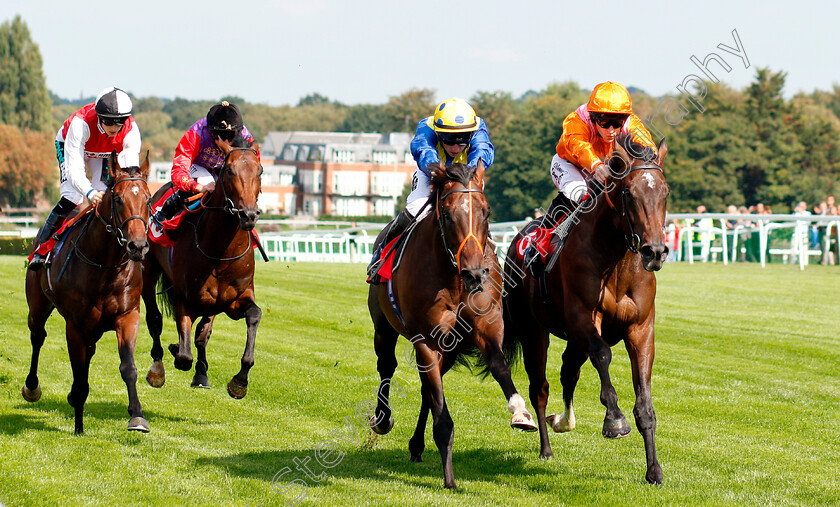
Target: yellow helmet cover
{"x":455,"y":115}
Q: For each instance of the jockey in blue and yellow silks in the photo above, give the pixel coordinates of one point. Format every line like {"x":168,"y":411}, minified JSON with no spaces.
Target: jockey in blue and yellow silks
{"x":454,"y":134}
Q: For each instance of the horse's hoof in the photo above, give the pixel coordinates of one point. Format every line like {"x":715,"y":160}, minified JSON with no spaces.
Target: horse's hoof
{"x":654,"y":475}
{"x":616,"y":429}
{"x":33,"y":395}
{"x":385,"y":428}
{"x":237,"y":390}
{"x":157,"y":375}
{"x":416,"y":459}
{"x":559,"y":423}
{"x":201,"y":381}
{"x":181,"y":362}
{"x":138,"y":424}
{"x":523,"y":421}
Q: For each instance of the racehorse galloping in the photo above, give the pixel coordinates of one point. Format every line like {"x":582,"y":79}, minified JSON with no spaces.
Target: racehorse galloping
{"x":94,"y":281}
{"x":447,"y":305}
{"x":600,"y":292}
{"x":209,"y":270}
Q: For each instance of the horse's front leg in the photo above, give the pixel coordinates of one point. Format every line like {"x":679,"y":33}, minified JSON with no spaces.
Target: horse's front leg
{"x":488,"y":338}
{"x":417,"y":443}
{"x":126,"y":327}
{"x":442,"y":425}
{"x":40,"y":309}
{"x":202,"y":336}
{"x":156,"y":376}
{"x":238,"y":385}
{"x":384,"y":341}
{"x":182,"y":352}
{"x":615,"y":424}
{"x":640,"y":348}
{"x":80,"y":356}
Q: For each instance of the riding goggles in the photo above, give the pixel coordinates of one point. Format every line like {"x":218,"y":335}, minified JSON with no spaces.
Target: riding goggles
{"x":455,"y":138}
{"x":610,"y":122}
{"x":110,"y":122}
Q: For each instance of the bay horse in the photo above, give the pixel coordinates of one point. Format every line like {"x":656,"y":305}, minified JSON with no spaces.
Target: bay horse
{"x":94,"y":281}
{"x":209,"y":270}
{"x":600,"y":292}
{"x":447,"y":302}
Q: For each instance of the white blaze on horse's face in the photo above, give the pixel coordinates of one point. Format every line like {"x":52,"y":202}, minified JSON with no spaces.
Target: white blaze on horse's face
{"x":465,"y":205}
{"x":650,"y":180}
{"x":135,"y":190}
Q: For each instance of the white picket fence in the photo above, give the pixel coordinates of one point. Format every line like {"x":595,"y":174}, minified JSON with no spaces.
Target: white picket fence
{"x":699,"y":238}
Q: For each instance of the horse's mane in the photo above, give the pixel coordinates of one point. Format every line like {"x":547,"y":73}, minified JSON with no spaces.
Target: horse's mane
{"x":240,"y":142}
{"x":456,"y":172}
{"x":133,"y":170}
{"x":635,"y":150}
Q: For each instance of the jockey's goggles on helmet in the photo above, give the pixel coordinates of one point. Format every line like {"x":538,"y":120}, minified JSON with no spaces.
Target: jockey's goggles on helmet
{"x":605,"y":124}
{"x":110,"y":122}
{"x":455,"y":138}
{"x":607,"y":120}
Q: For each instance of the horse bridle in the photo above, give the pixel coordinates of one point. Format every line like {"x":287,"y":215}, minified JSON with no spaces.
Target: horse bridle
{"x":456,"y":258}
{"x":113,"y":228}
{"x":633,"y":240}
{"x":229,"y":207}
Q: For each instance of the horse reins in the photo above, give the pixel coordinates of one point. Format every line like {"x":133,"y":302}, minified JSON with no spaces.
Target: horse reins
{"x":633,"y":240}
{"x":456,"y":258}
{"x":112,"y":227}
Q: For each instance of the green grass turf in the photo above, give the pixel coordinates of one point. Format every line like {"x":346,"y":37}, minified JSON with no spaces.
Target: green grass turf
{"x":745,"y":387}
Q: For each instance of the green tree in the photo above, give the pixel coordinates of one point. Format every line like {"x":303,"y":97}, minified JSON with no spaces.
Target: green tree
{"x":24,"y":99}
{"x":403,"y":112}
{"x":496,"y":108}
{"x":365,"y":118}
{"x":519,"y":180}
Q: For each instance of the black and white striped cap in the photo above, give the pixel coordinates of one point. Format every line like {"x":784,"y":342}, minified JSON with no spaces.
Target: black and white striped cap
{"x":113,"y":103}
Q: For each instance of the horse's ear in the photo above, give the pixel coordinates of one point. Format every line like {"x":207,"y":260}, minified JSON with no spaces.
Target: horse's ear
{"x":661,"y":151}
{"x":144,"y":167}
{"x":254,"y":146}
{"x":479,"y":173}
{"x":113,"y":165}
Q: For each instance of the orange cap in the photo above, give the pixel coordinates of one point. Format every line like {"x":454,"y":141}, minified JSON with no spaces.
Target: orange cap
{"x":610,"y":97}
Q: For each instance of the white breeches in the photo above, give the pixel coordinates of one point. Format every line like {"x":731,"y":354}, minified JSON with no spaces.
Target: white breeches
{"x":568,"y":178}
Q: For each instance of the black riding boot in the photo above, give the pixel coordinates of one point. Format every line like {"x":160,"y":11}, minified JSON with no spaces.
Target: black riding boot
{"x":169,"y":209}
{"x":53,"y":222}
{"x":395,"y":228}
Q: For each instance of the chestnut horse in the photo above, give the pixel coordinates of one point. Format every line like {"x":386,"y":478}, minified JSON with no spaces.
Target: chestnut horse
{"x":94,"y":281}
{"x":447,"y":302}
{"x":209,"y":270}
{"x":600,"y":292}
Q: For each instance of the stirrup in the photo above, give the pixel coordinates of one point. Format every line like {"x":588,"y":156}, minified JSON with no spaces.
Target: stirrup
{"x":38,"y":261}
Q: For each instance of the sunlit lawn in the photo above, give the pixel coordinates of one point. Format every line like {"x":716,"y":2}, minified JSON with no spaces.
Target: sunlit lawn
{"x":746,"y":387}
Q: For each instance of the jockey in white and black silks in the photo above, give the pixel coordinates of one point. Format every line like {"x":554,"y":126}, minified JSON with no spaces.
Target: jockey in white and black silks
{"x":83,"y":145}
{"x":199,"y":154}
{"x":454,"y":134}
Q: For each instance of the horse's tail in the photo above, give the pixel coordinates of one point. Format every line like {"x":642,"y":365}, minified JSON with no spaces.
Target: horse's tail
{"x":164,"y":295}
